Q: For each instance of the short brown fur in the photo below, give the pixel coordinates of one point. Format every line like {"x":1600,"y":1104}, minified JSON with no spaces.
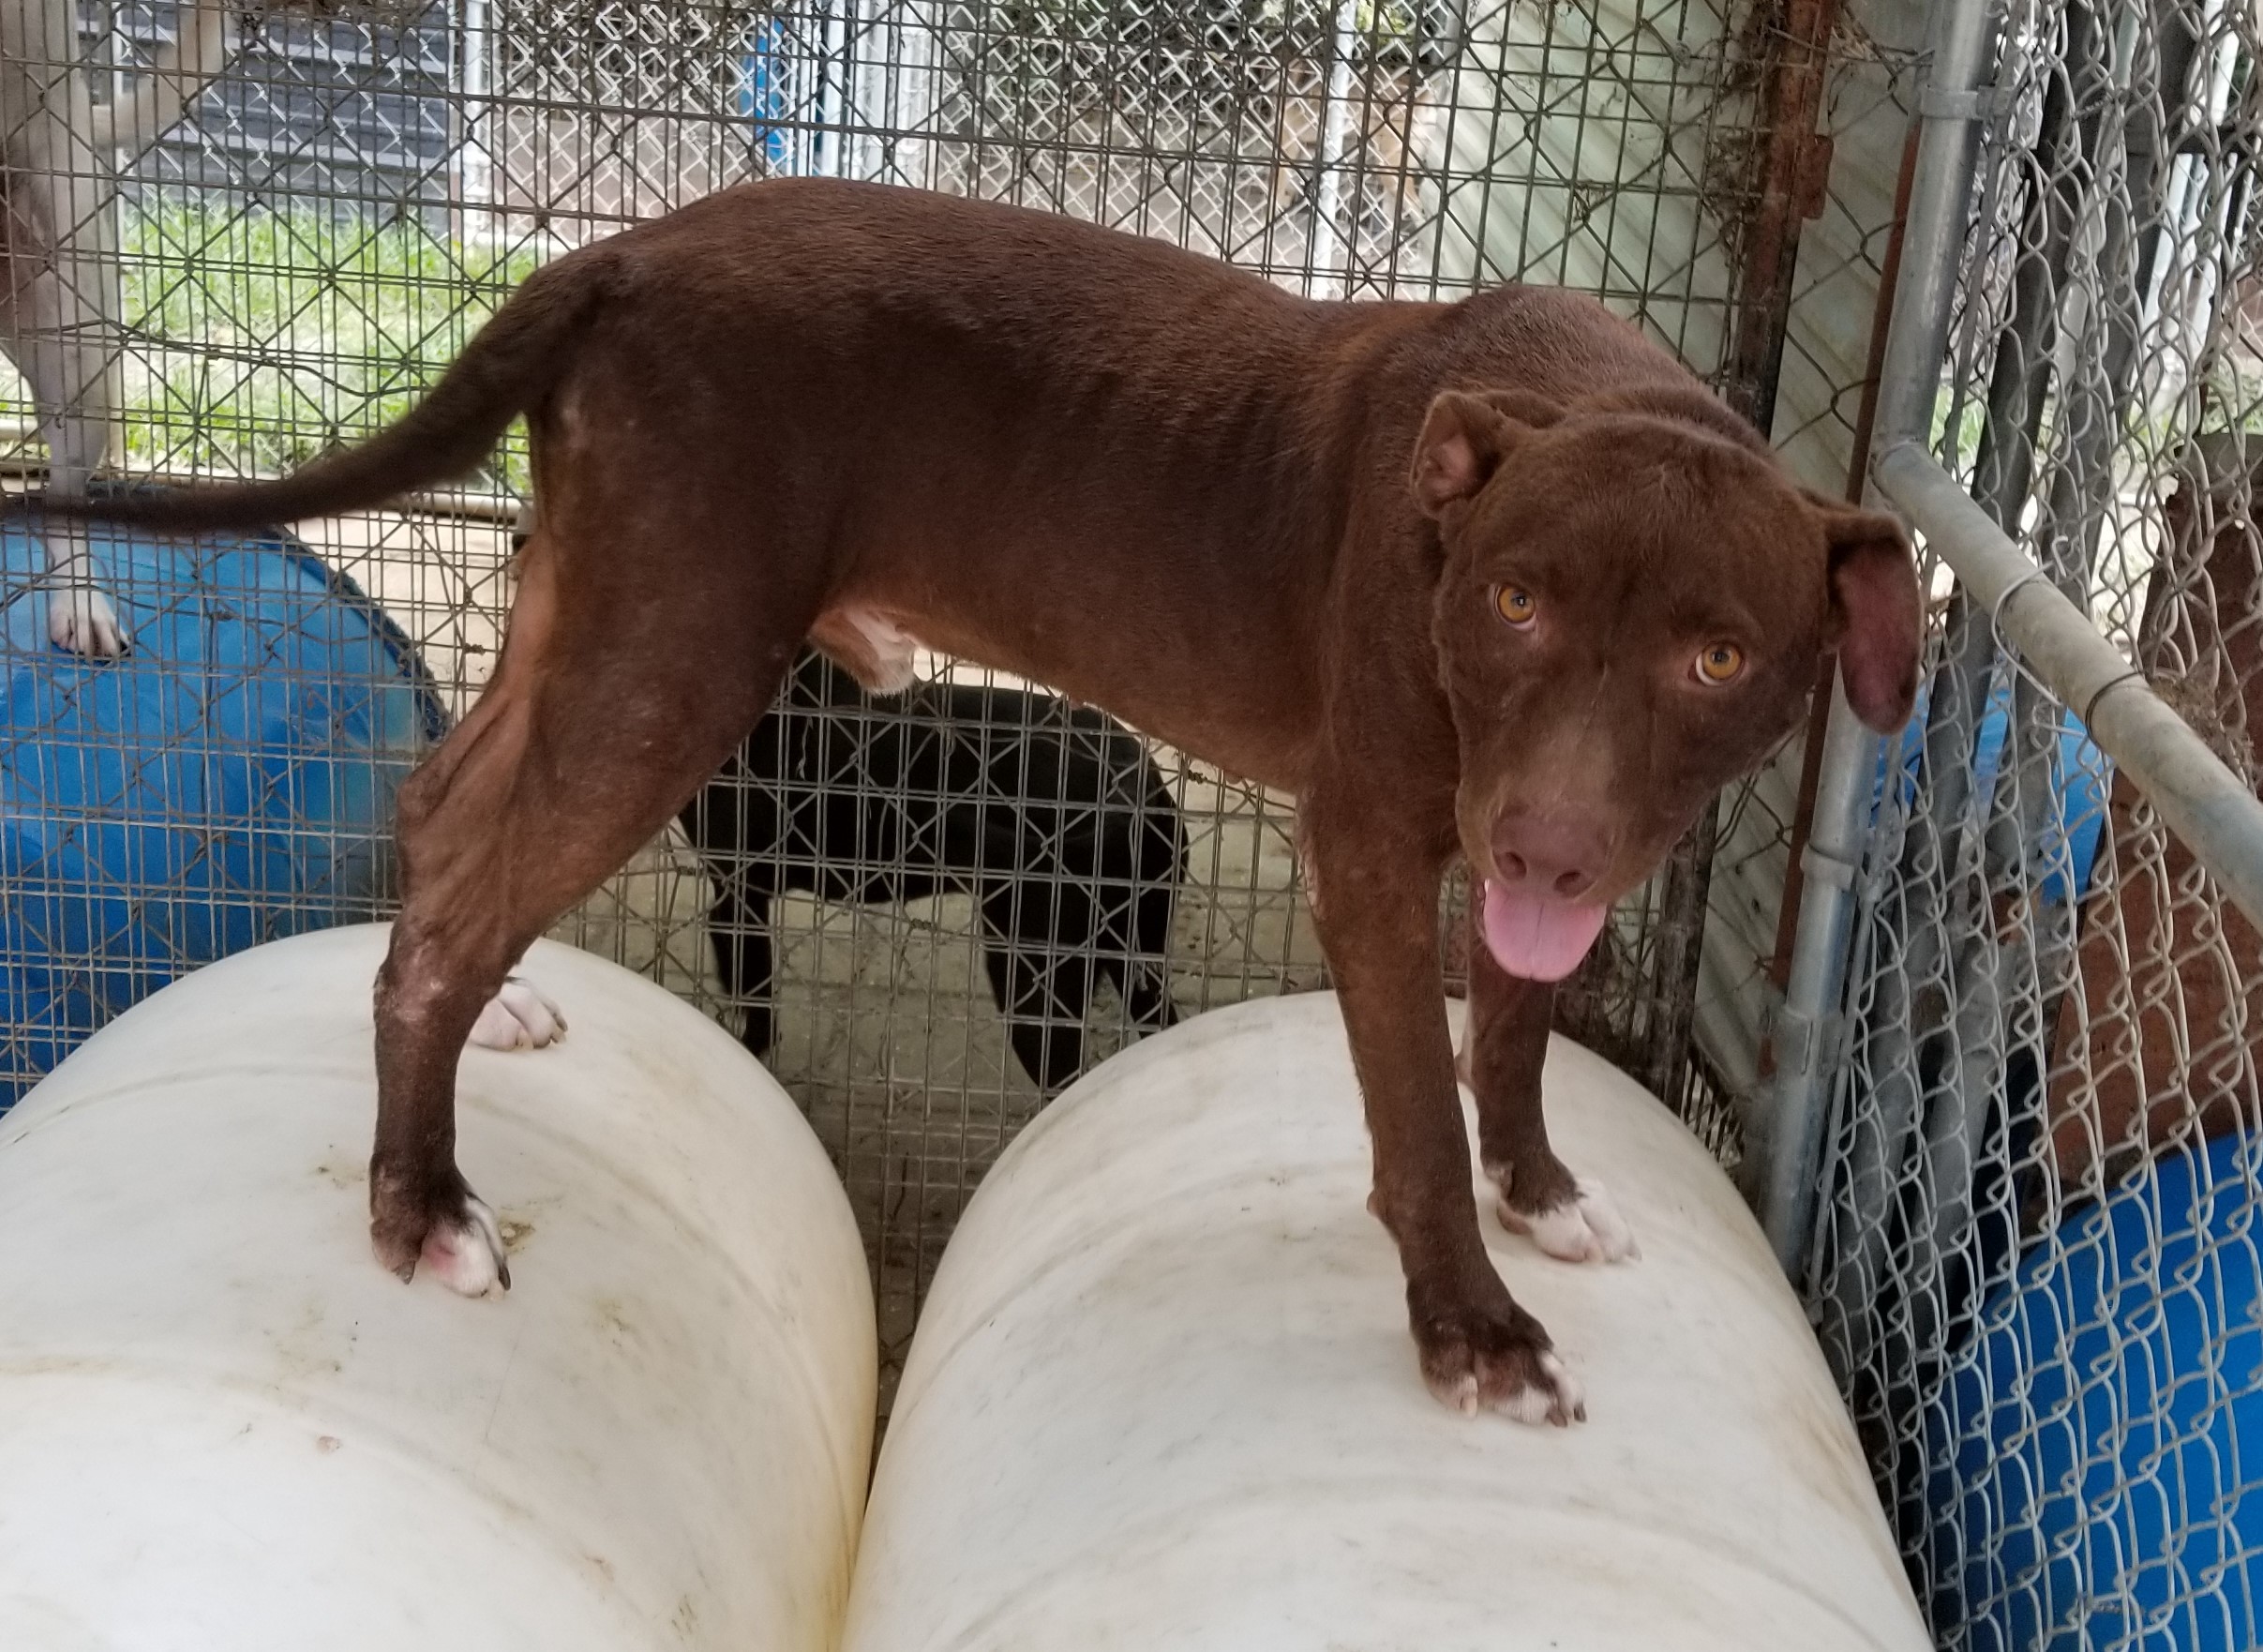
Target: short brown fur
{"x":1269,"y":531}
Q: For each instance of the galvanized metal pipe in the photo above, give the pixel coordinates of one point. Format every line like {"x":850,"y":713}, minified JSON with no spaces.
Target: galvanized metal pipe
{"x":2200,"y":799}
{"x":1783,"y":1135}
{"x":1784,"y":1129}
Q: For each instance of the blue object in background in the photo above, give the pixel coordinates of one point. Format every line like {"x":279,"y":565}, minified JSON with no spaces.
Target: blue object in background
{"x":2107,"y":1428}
{"x":228,"y":782}
{"x":764,"y":95}
{"x":2081,"y":780}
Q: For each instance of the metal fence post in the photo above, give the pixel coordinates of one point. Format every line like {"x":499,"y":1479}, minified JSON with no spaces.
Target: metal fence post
{"x":1784,"y":1133}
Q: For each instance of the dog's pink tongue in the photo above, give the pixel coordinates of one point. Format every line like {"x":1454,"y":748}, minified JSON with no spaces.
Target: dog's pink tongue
{"x":1534,"y":938}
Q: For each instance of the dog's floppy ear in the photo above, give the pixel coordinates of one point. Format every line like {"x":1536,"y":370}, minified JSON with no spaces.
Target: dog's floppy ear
{"x":1465,"y":436}
{"x":1877,"y":611}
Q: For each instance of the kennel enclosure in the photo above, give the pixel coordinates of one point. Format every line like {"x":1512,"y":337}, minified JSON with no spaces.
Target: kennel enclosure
{"x":1959,"y":1007}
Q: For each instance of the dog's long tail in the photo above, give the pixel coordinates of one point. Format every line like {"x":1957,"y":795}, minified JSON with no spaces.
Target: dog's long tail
{"x":510,"y":363}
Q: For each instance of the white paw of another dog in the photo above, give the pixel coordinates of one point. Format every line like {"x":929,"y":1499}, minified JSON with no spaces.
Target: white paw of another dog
{"x":82,"y":620}
{"x":466,"y":1253}
{"x":518,"y":1018}
{"x":1586,"y":1227}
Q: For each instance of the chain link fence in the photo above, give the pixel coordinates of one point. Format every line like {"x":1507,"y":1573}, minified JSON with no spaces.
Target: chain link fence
{"x":926,"y":912}
{"x":234,"y":241}
{"x":2034,"y":1263}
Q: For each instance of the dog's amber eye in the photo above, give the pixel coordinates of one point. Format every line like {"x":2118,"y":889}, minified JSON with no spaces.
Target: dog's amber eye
{"x":1719,"y":663}
{"x":1517,"y":606}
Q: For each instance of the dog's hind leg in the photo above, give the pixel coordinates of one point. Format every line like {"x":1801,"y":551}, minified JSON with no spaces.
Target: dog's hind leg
{"x":1041,"y":970}
{"x":612,"y":704}
{"x":65,"y":309}
{"x":1505,"y":1046}
{"x":58,"y":344}
{"x":738,"y":925}
{"x":1140,"y":970}
{"x":81,"y":616}
{"x":1158,"y":861}
{"x":57,"y":335}
{"x":65,"y":302}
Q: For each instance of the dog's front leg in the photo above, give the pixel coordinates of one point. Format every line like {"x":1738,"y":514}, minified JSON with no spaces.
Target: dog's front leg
{"x":1570,"y":1217}
{"x":1380,"y":930}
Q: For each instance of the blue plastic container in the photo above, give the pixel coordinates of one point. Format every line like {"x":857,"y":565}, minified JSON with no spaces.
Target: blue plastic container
{"x":2081,"y":778}
{"x":2107,"y":1429}
{"x":230,"y":781}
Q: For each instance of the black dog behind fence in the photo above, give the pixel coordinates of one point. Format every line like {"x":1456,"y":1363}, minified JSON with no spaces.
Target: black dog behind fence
{"x":1056,"y":819}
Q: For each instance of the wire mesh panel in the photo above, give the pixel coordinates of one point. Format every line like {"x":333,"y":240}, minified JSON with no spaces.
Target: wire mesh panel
{"x":2035,"y":1265}
{"x":926,"y":912}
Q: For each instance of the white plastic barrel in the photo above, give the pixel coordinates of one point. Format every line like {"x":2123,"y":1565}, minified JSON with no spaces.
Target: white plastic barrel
{"x":223,"y":1428}
{"x":1163,"y":1399}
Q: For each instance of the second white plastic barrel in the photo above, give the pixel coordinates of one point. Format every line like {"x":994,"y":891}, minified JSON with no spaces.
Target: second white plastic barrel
{"x":223,"y":1428}
{"x":1162,"y":1399}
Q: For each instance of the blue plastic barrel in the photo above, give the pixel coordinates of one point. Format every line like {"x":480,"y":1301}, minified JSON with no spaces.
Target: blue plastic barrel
{"x":230,"y":781}
{"x":2107,"y":1428}
{"x":2080,"y":780}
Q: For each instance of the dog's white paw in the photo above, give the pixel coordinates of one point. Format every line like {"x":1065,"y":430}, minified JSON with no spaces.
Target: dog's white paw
{"x":465,"y":1253}
{"x":518,"y":1018}
{"x":1556,"y":1396}
{"x":1497,"y":1360}
{"x":1587,"y":1227}
{"x":82,"y":620}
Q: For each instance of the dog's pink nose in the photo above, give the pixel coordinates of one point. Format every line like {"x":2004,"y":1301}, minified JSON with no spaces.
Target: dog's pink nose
{"x":1550,"y":855}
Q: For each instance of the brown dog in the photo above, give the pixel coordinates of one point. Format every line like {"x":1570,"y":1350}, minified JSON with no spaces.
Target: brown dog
{"x":1495,"y":579}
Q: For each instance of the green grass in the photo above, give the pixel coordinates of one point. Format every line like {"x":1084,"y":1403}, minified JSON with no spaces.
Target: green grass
{"x":258,"y":339}
{"x":261,"y":339}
